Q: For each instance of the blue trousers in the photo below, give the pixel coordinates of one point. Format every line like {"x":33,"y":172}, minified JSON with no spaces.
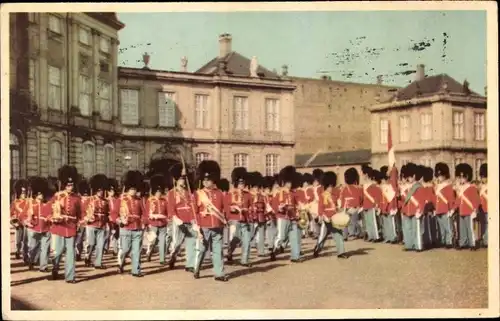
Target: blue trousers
{"x":95,"y":240}
{"x":287,"y":231}
{"x":371,"y":224}
{"x":22,"y":241}
{"x":354,"y":228}
{"x":39,"y":248}
{"x":212,"y":238}
{"x":466,"y":233}
{"x":327,"y":229}
{"x":271,"y":233}
{"x":259,"y":236}
{"x":80,"y":236}
{"x":485,"y":230}
{"x":389,"y":227}
{"x":107,"y":237}
{"x":161,"y":237}
{"x":240,"y":232}
{"x":445,"y":229}
{"x":184,"y":233}
{"x":131,"y":242}
{"x":413,"y":232}
{"x":65,"y":244}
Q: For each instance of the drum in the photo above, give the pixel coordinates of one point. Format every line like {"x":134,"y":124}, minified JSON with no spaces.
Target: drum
{"x":341,"y":220}
{"x":313,"y":209}
{"x":151,"y":236}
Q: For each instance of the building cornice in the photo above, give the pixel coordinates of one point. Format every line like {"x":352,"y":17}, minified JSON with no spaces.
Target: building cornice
{"x":108,"y":18}
{"x":455,"y":99}
{"x":437,"y":149}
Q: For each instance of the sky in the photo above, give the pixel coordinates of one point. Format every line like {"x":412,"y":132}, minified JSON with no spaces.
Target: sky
{"x":353,"y":46}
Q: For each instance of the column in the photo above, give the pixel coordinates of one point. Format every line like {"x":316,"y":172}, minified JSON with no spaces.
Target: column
{"x":96,"y":62}
{"x":114,"y":84}
{"x":74,"y":60}
{"x":44,"y":49}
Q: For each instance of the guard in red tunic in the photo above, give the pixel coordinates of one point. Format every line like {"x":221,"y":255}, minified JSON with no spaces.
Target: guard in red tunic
{"x":372,"y":196}
{"x":96,"y":216}
{"x":404,"y":187}
{"x":303,"y":201}
{"x":351,"y":199}
{"x":314,"y":192}
{"x":112,"y":195}
{"x":467,"y":204}
{"x":131,"y":223}
{"x":66,"y":213}
{"x":444,"y":203}
{"x":157,"y":217}
{"x":388,"y":205}
{"x":210,"y":219}
{"x":258,"y":210}
{"x":430,"y":233}
{"x":18,"y":211}
{"x":83,"y":189}
{"x":483,"y":194}
{"x":225,"y":186}
{"x":270,"y":228}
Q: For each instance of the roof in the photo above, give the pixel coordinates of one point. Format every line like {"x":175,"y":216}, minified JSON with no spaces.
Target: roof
{"x":237,"y":65}
{"x":360,"y":156}
{"x":108,"y":18}
{"x":430,"y":86}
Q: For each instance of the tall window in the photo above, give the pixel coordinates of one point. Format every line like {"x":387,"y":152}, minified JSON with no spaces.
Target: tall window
{"x":457,"y":160}
{"x":85,"y":95}
{"x":272,"y":115}
{"x":104,"y":44}
{"x":32,"y":76}
{"x":201,"y":110}
{"x":478,"y":163}
{"x":479,"y":128}
{"x":240,"y":113}
{"x":130,"y":106}
{"x":131,"y":160}
{"x":200,"y":157}
{"x":166,"y":109}
{"x":241,"y":160}
{"x":55,"y":157}
{"x":105,"y":100}
{"x":426,"y":161}
{"x":272,"y":164}
{"x":426,"y":126}
{"x":405,"y":161}
{"x":32,"y":17}
{"x":109,"y":160}
{"x":84,"y":36}
{"x":15,"y":159}
{"x":404,"y":129}
{"x":458,"y":125}
{"x":384,"y":131}
{"x":55,"y":24}
{"x":55,"y":88}
{"x":88,"y":159}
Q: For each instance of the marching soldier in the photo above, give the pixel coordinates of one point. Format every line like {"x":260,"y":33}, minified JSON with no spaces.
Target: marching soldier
{"x":483,"y":193}
{"x":96,"y":218}
{"x":327,"y":209}
{"x":270,"y":219}
{"x":429,"y":218}
{"x":18,"y":211}
{"x":388,"y":207}
{"x":258,"y":210}
{"x":467,"y":204}
{"x":285,"y":206}
{"x":444,"y":204}
{"x":351,"y":199}
{"x":404,"y":188}
{"x":225,"y":186}
{"x":114,"y":207}
{"x":371,"y":203}
{"x":210,"y":219}
{"x":84,"y":191}
{"x":313,"y":195}
{"x":237,"y":212}
{"x":66,"y":213}
{"x":157,"y":219}
{"x":302,"y":199}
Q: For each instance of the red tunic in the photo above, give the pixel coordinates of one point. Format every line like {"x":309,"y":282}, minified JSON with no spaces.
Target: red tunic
{"x":179,"y":203}
{"x":258,"y":208}
{"x":327,"y":205}
{"x":135,"y":209}
{"x":388,"y":201}
{"x":41,"y":211}
{"x":430,"y":197}
{"x":403,"y":192}
{"x":444,"y":198}
{"x":269,"y":209}
{"x":18,"y":210}
{"x":70,"y":210}
{"x":467,"y":200}
{"x":156,"y":205}
{"x":101,"y":211}
{"x":240,"y":199}
{"x":416,"y":203}
{"x":284,"y":204}
{"x":114,"y":208}
{"x":351,"y":196}
{"x":314,"y":192}
{"x":372,"y":196}
{"x":203,"y":216}
{"x":483,"y":194}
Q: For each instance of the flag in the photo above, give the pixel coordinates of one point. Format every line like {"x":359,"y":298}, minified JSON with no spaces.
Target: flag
{"x":393,"y":175}
{"x":390,"y":148}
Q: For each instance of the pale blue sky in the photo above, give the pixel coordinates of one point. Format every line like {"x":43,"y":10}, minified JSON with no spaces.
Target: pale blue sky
{"x":350,"y":46}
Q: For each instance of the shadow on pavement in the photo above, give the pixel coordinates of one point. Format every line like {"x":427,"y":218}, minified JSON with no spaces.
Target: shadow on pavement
{"x":30,"y":280}
{"x":18,"y":304}
{"x":361,"y":251}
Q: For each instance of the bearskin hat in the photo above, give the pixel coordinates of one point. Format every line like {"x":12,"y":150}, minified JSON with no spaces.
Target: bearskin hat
{"x":208,"y":169}
{"x":21,"y":186}
{"x":112,"y":184}
{"x":176,"y":171}
{"x":132,"y":179}
{"x":67,"y":175}
{"x":83,"y":187}
{"x":351,"y":176}
{"x":157,"y":183}
{"x":238,"y":175}
{"x":375,"y":175}
{"x":308,"y":178}
{"x":38,"y":185}
{"x":53,"y":184}
{"x":483,"y":170}
{"x":366,"y":169}
{"x":317,"y":174}
{"x":255,"y":179}
{"x":268,"y":182}
{"x":383,"y":172}
{"x":464,"y":170}
{"x":428,"y":174}
{"x":99,"y":182}
{"x":329,"y":179}
{"x":442,"y":169}
{"x":144,"y":187}
{"x":223,"y":185}
{"x":402,"y":173}
{"x":411,"y":170}
{"x":286,"y":175}
{"x":298,"y":180}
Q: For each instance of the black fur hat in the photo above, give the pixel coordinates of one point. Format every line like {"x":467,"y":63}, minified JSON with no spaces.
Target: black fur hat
{"x":239,"y":175}
{"x":112,"y":185}
{"x":99,"y":182}
{"x":132,"y":179}
{"x":39,"y":185}
{"x":483,"y":170}
{"x":308,"y":178}
{"x":351,"y":176}
{"x":21,"y":186}
{"x":428,"y":174}
{"x":144,"y":187}
{"x":298,"y":180}
{"x":317,"y":175}
{"x":177,"y":170}
{"x":157,"y":183}
{"x":464,"y":170}
{"x":329,"y":179}
{"x":208,"y":169}
{"x":255,"y":179}
{"x":366,"y":170}
{"x":375,"y":175}
{"x":67,"y":175}
{"x":268,"y":182}
{"x":276,"y":179}
{"x":84,"y":187}
{"x":223,"y":185}
{"x":383,"y":172}
{"x":402,"y":173}
{"x":442,"y":169}
{"x":411,"y":170}
{"x":287,"y":175}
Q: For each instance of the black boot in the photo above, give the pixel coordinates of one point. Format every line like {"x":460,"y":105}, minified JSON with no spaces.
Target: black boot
{"x":222,"y":278}
{"x":273,"y":255}
{"x":316,"y":251}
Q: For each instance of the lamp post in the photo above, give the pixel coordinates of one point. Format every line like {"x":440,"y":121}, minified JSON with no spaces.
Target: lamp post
{"x":127,"y":160}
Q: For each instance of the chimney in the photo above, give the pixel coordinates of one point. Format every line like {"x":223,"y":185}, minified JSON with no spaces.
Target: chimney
{"x":184,"y":63}
{"x":225,"y":41}
{"x":420,"y":72}
{"x":145,"y":60}
{"x":379,"y":80}
{"x":284,"y":70}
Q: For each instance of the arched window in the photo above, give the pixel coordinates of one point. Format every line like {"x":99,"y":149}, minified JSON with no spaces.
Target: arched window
{"x":241,"y":160}
{"x":88,"y":159}
{"x":55,"y":157}
{"x":200,"y":157}
{"x":109,"y":160}
{"x":272,"y":164}
{"x":15,"y":157}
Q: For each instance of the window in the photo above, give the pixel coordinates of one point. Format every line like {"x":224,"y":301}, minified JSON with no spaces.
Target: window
{"x":109,"y":160}
{"x":426,"y":161}
{"x":384,"y":131}
{"x":104,"y":44}
{"x":32,"y":76}
{"x":404,"y":129}
{"x":240,"y":113}
{"x":458,"y":125}
{"x":88,"y":159}
{"x":457,"y":160}
{"x":200,"y":157}
{"x":84,"y":36}
{"x":479,"y":128}
{"x":55,"y":88}
{"x":241,"y":160}
{"x":32,"y":17}
{"x":85,"y":98}
{"x":166,"y":109}
{"x":55,"y":157}
{"x":130,"y":106}
{"x":55,"y":24}
{"x":272,"y":115}
{"x":15,"y":159}
{"x":104,"y":100}
{"x":272,"y":164}
{"x":405,"y":161}
{"x":201,"y":110}
{"x":426,"y":126}
{"x":131,"y":160}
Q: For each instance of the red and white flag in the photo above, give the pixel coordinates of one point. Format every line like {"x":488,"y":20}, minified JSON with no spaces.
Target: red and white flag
{"x":393,"y":175}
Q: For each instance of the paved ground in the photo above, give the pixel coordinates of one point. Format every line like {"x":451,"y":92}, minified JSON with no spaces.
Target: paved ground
{"x":375,"y":276}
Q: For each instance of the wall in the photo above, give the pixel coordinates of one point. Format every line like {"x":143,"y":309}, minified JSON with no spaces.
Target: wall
{"x":339,"y":170}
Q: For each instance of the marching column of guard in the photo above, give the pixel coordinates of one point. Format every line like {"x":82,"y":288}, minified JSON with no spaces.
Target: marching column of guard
{"x":419,"y":207}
